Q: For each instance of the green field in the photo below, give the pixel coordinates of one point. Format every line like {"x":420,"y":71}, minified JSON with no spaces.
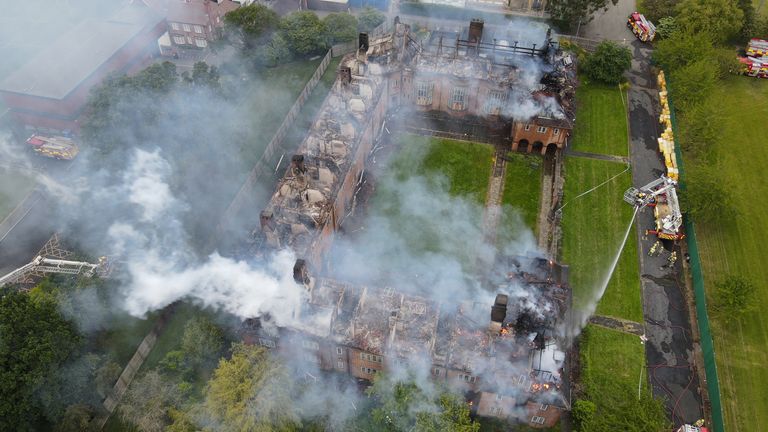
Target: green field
{"x":615,"y":378}
{"x":14,"y":186}
{"x":593,"y":227}
{"x":738,"y":247}
{"x":601,"y":122}
{"x":522,"y":192}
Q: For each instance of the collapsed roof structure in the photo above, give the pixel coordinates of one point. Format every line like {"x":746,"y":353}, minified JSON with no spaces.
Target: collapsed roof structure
{"x":509,"y":367}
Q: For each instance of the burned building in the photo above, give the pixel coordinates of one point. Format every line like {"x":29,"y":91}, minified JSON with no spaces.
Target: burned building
{"x":508,"y":363}
{"x":463,"y":84}
{"x":508,"y":366}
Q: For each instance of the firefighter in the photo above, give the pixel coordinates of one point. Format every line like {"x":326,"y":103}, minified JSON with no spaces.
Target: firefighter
{"x":672,"y":258}
{"x":654,"y":248}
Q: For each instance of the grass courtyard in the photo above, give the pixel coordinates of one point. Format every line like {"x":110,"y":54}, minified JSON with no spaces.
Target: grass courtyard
{"x":738,"y":247}
{"x":601,"y":123}
{"x":522,"y":193}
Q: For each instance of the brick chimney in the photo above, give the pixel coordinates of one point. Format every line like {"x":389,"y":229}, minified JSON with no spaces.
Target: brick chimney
{"x":300,"y":272}
{"x":297,"y":163}
{"x":345,"y":74}
{"x":476,"y":30}
{"x":498,"y":313}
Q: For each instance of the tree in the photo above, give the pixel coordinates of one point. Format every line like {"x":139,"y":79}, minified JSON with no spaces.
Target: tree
{"x":693,"y":83}
{"x":705,"y":199}
{"x":106,"y":376}
{"x":403,"y":406}
{"x":658,"y":9}
{"x":202,"y":75}
{"x":582,"y":413}
{"x":608,"y":63}
{"x":146,"y":402}
{"x":251,"y":392}
{"x":246,"y":25}
{"x":733,"y":297}
{"x":680,"y":49}
{"x":666,"y":28}
{"x":749,"y":22}
{"x":720,"y":19}
{"x":273,"y":52}
{"x":77,"y":418}
{"x":304,"y":32}
{"x":702,"y":129}
{"x":572,"y":13}
{"x":36,"y":339}
{"x":369,"y":18}
{"x":342,"y":27}
{"x":202,"y":342}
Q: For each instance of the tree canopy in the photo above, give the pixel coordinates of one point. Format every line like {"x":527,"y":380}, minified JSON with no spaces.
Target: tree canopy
{"x":304,"y":32}
{"x":342,"y":27}
{"x":733,"y":297}
{"x":719,"y":19}
{"x":403,"y":406}
{"x":147,"y":401}
{"x":250,"y":23}
{"x":370,"y":18}
{"x":608,"y":63}
{"x":705,"y":198}
{"x":571,"y":13}
{"x":36,"y":339}
{"x":251,"y":392}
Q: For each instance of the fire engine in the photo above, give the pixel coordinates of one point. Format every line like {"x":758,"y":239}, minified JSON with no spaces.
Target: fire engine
{"x":754,"y":66}
{"x":660,"y":195}
{"x":641,"y":27}
{"x":56,"y":147}
{"x":757,"y":48}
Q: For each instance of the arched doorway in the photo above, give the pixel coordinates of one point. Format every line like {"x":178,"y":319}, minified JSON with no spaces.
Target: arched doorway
{"x":550,"y":149}
{"x":522,"y":145}
{"x":537,"y":146}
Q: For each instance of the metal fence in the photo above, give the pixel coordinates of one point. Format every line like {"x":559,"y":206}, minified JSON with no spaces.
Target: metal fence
{"x":702,"y":319}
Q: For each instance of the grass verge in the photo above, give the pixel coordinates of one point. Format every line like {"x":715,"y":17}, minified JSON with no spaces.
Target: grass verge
{"x":737,"y":247}
{"x":593,"y":227}
{"x":522,"y":191}
{"x":602,"y":120}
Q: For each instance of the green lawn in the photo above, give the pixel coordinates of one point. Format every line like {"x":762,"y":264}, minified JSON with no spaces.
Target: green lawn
{"x":14,"y":186}
{"x":522,"y":191}
{"x":601,"y":122}
{"x":593,"y":227}
{"x":612,"y":368}
{"x":738,"y":247}
{"x":459,"y":168}
{"x":466,"y":165}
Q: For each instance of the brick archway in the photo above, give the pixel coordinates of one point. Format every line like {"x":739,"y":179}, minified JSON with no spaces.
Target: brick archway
{"x":521,"y":145}
{"x":537,"y":145}
{"x":550,"y":148}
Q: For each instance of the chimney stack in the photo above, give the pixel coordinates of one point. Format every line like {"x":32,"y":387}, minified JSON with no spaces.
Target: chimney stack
{"x":297,"y":163}
{"x":498,"y":313}
{"x":476,"y":30}
{"x":266,"y":220}
{"x":345,"y":74}
{"x":362,"y":42}
{"x":300,"y":272}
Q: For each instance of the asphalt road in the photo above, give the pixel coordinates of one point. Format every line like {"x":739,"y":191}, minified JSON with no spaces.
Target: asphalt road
{"x":669,"y":350}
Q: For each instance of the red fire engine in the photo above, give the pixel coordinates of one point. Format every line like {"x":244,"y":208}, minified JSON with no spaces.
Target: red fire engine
{"x":54,"y":147}
{"x":641,"y":27}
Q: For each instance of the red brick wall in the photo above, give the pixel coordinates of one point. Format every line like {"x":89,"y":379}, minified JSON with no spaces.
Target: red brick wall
{"x":534,"y":138}
{"x":64,"y":113}
{"x":550,"y":413}
{"x":356,"y":363}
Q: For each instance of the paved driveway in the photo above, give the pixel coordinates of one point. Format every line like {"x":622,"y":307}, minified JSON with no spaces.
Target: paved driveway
{"x":669,"y":350}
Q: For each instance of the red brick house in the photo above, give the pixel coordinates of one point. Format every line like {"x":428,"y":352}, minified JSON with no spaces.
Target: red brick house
{"x":50,"y":91}
{"x":191,"y":23}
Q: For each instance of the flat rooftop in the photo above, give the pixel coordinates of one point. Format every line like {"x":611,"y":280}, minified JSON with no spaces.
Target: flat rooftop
{"x":70,"y":59}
